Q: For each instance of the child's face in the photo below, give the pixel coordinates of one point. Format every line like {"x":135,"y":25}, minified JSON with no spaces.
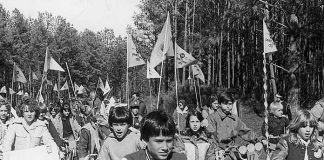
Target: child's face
{"x":215,"y":104}
{"x":135,"y":111}
{"x":120,"y":129}
{"x":194,"y":123}
{"x":180,"y":105}
{"x":4,"y":112}
{"x":227,"y":108}
{"x":278,"y":112}
{"x":305,"y":132}
{"x":160,"y":147}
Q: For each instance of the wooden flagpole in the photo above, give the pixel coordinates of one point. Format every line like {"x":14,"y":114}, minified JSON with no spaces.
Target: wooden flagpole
{"x":194,"y":83}
{"x":164,"y":54}
{"x":70,"y":79}
{"x":158,"y":100}
{"x":175,"y":61}
{"x":12,"y":81}
{"x":127,"y":87}
{"x":150,"y":92}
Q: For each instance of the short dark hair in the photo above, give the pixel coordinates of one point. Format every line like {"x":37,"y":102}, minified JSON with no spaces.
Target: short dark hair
{"x":157,"y":123}
{"x":120,"y":115}
{"x":225,"y":97}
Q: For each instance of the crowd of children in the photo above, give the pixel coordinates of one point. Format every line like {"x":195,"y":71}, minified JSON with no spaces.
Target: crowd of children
{"x":110,"y":131}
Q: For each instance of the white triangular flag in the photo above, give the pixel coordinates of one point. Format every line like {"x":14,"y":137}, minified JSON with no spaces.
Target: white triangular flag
{"x":163,"y":45}
{"x":65,"y":86}
{"x":197,"y":72}
{"x":151,"y":72}
{"x":40,"y":98}
{"x":134,"y":58}
{"x":76,"y":87}
{"x":101,"y":85}
{"x":55,"y":87}
{"x":268,"y":44}
{"x":107,"y":87}
{"x":18,"y":75}
{"x":3,"y":90}
{"x":11,"y":91}
{"x":26,"y":94}
{"x":81,"y":90}
{"x":50,"y":63}
{"x":183,"y":58}
{"x":20,"y":93}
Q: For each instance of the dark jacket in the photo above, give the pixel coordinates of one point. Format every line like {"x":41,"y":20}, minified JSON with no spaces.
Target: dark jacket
{"x":141,"y":155}
{"x":142,"y":107}
{"x":276,"y":127}
{"x":286,"y":150}
{"x":52,"y":130}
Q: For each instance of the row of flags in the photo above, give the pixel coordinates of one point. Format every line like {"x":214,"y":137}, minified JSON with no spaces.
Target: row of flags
{"x":104,"y":87}
{"x":162,"y":48}
{"x":4,"y":90}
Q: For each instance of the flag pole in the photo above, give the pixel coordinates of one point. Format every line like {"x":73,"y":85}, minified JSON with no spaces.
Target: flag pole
{"x":150,"y":92}
{"x":201,"y":106}
{"x":194,"y":83}
{"x":175,"y":54}
{"x":164,"y":52}
{"x":175,"y":60}
{"x":12,"y":81}
{"x":127,"y":98}
{"x":70,"y":79}
{"x":158,"y":100}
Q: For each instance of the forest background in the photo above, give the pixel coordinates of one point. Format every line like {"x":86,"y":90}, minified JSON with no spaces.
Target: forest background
{"x":224,"y":35}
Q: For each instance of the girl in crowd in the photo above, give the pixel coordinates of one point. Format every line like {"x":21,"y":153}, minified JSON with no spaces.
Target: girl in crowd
{"x":302,"y":142}
{"x":4,"y":118}
{"x":196,"y":140}
{"x":28,"y":131}
{"x":53,"y":110}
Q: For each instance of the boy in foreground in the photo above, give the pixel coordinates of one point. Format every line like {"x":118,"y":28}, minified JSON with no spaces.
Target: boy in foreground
{"x":158,"y":131}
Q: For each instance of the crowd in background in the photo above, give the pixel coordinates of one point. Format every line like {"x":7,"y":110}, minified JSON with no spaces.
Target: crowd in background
{"x":93,"y":129}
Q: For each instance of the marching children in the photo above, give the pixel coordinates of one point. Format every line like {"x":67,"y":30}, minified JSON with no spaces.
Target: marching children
{"x":158,"y":131}
{"x":302,"y":142}
{"x":276,"y":123}
{"x":179,"y":116}
{"x":196,"y":140}
{"x":122,"y":141}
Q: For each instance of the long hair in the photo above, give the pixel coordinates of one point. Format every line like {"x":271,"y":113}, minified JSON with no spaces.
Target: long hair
{"x":199,"y":116}
{"x":303,"y":118}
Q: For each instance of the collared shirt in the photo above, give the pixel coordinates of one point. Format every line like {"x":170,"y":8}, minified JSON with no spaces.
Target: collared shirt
{"x":226,"y":127}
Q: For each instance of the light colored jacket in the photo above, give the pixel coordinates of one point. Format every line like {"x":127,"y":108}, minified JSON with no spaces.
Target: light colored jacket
{"x":76,"y":128}
{"x":22,"y":136}
{"x":113,"y":149}
{"x":196,"y":147}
